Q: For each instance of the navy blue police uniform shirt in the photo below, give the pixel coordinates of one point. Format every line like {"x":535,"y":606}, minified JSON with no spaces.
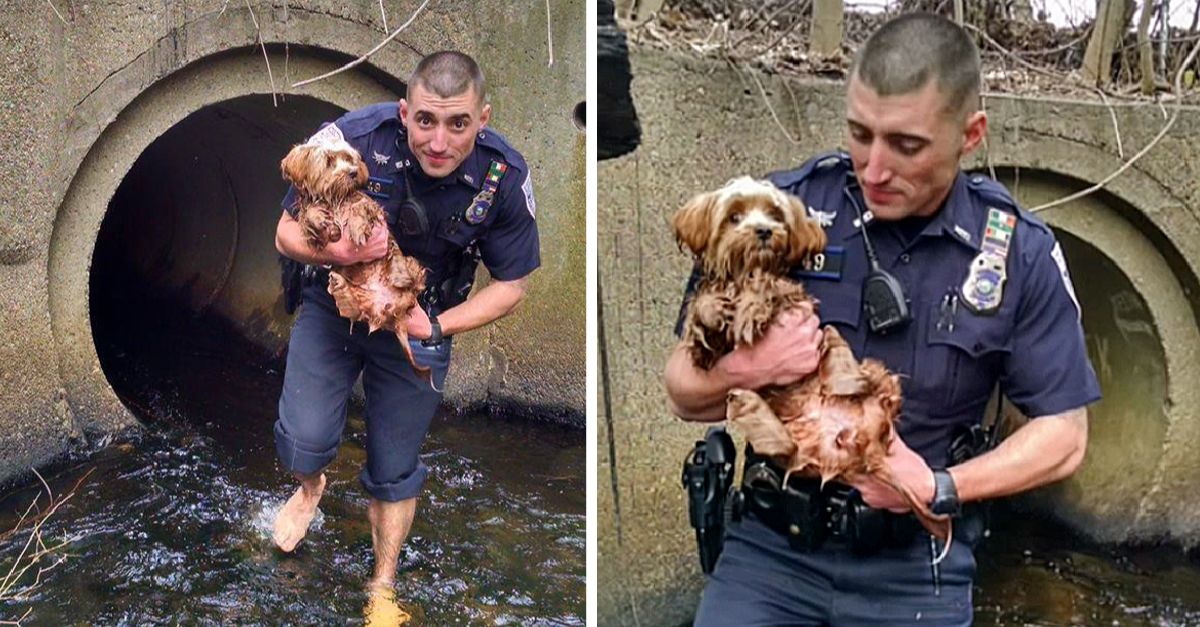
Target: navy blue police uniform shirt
{"x":507,"y":235}
{"x":1032,"y":344}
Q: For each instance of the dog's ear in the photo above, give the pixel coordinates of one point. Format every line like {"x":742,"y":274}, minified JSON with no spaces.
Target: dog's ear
{"x":693,"y":222}
{"x":806,"y":236}
{"x":295,"y":164}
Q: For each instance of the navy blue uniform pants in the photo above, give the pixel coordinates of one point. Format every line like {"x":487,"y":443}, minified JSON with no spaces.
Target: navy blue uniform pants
{"x":760,"y":580}
{"x":325,"y":357}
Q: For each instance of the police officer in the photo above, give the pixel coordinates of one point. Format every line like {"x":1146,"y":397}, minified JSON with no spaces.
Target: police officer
{"x":988,"y":300}
{"x":454,"y":191}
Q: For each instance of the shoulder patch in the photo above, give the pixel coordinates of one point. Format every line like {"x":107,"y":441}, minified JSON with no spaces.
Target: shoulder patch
{"x":1059,"y":259}
{"x":527,"y":188}
{"x":329,"y":135}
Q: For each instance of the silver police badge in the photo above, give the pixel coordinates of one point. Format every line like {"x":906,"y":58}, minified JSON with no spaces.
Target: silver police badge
{"x":984,"y":288}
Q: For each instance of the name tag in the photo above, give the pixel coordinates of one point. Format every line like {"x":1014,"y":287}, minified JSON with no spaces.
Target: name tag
{"x":826,"y":265}
{"x":378,"y":188}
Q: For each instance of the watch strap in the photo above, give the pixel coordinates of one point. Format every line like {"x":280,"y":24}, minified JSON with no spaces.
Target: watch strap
{"x":945,"y":494}
{"x":435,"y":333}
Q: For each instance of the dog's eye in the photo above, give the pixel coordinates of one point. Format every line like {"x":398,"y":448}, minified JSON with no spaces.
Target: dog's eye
{"x":735,"y":218}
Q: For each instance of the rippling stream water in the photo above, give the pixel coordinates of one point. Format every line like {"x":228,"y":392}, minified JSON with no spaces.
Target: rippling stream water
{"x":173,"y":526}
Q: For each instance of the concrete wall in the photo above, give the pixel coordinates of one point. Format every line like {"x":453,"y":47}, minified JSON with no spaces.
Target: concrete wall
{"x":1132,"y":250}
{"x":86,"y":97}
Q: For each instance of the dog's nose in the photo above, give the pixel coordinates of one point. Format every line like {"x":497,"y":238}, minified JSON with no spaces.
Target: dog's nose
{"x":763,"y":233}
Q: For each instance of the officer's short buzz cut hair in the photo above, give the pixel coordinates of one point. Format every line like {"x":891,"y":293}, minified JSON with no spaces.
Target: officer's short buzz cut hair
{"x":909,"y":51}
{"x":449,"y":73}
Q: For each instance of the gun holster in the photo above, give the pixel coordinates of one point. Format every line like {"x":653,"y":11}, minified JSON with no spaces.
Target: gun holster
{"x":712,"y":499}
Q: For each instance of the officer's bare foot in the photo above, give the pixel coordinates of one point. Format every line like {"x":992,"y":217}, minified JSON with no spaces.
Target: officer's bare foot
{"x":383,"y":609}
{"x":297,"y":513}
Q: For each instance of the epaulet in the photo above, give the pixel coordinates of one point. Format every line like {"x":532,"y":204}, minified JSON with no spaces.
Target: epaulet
{"x":789,"y":179}
{"x":497,"y":148}
{"x":993,"y":194}
{"x":365,"y":120}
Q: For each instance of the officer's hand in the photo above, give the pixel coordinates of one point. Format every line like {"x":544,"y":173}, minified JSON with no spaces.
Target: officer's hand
{"x":343,"y":252}
{"x":908,"y":469}
{"x":419,"y":327}
{"x":786,"y":353}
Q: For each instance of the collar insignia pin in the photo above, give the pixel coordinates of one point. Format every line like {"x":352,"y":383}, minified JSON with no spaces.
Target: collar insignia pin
{"x":823,"y":218}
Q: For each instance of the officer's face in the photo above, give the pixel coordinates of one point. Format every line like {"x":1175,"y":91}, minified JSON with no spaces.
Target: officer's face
{"x":441,"y":131}
{"x":906,"y":148}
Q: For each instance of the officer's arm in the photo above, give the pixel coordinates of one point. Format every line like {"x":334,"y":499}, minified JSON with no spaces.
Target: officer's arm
{"x":787,"y":352}
{"x":695,"y":394}
{"x":289,"y":241}
{"x":496,"y":300}
{"x":1045,"y":450}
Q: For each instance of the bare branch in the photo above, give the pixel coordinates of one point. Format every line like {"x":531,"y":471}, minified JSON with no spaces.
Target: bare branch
{"x":383,"y":14}
{"x":1116,"y":128}
{"x":263,"y":44}
{"x":549,"y":38}
{"x":1153,"y":142}
{"x":53,"y":8}
{"x":369,"y":53}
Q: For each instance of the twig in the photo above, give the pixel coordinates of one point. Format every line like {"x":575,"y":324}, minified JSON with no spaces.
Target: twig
{"x":368,"y":54}
{"x":384,"y":14}
{"x":765,"y":23}
{"x":549,"y":39}
{"x":44,"y":484}
{"x":1009,"y":54}
{"x":787,"y":32}
{"x":55,"y":9}
{"x":263,"y":44}
{"x":767,"y":101}
{"x":1153,"y":142}
{"x":1116,"y":128}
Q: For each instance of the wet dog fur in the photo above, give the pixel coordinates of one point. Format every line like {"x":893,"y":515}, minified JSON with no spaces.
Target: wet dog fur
{"x":328,"y":177}
{"x":835,"y":424}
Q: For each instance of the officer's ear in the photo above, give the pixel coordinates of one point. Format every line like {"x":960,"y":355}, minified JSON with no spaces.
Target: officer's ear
{"x":692,"y":223}
{"x":974,"y":130}
{"x":485,"y":115}
{"x":404,"y":111}
{"x":806,"y":237}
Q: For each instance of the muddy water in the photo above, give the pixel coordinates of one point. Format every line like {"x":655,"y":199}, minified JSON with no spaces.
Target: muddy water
{"x":173,"y":526}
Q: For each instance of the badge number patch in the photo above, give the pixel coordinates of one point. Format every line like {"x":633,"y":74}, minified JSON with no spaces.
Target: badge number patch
{"x":827,"y":265}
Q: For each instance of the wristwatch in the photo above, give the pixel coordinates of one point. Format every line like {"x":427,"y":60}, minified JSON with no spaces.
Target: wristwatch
{"x":945,"y":494}
{"x":435,"y":333}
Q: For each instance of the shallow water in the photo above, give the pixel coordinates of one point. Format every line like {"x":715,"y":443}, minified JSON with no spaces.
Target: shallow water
{"x":1036,"y":572}
{"x":174,"y":525}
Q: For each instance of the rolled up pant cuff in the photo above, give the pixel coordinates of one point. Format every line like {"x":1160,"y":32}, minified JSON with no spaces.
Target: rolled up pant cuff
{"x":298,"y":457}
{"x":403,"y":489}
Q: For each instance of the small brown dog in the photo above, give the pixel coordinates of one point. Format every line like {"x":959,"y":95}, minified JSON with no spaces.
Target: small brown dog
{"x":329,"y":175}
{"x":837,"y":424}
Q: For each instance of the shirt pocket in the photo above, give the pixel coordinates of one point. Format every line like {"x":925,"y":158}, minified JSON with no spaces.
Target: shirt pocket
{"x":957,"y":364}
{"x":840,"y":304}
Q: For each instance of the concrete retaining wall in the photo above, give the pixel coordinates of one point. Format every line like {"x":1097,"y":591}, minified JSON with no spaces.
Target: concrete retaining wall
{"x":88,"y":96}
{"x":1133,"y":250}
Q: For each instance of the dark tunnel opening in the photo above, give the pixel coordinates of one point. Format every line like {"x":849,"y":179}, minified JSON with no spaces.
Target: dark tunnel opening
{"x":185,"y":301}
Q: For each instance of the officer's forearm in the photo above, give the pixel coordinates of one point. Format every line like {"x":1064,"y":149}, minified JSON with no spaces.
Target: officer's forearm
{"x":695,"y":394}
{"x":489,"y":304}
{"x":289,"y":241}
{"x":1043,"y":451}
